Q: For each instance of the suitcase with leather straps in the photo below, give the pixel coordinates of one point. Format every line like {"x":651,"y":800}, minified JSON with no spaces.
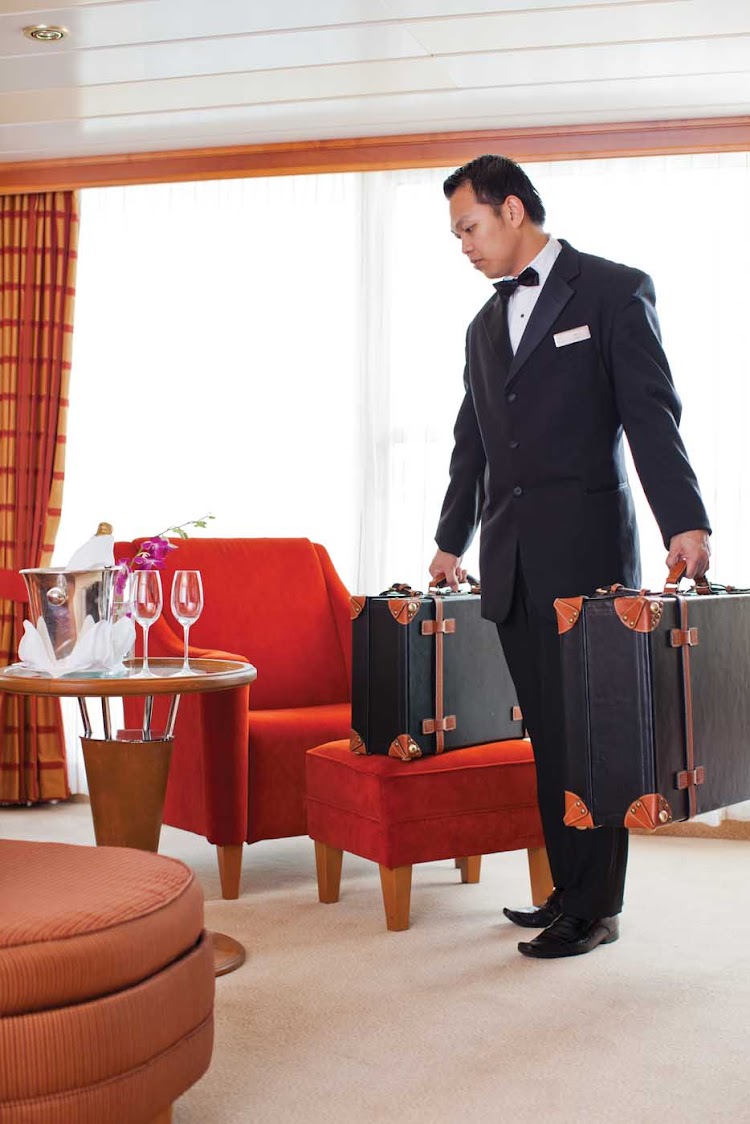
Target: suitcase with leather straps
{"x":428,"y":674}
{"x":657,"y":705}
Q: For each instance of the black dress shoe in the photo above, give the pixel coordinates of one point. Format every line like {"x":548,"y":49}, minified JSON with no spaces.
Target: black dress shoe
{"x":571,"y":936}
{"x":539,"y":916}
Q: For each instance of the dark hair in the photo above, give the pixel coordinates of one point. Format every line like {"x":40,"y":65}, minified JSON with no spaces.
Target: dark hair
{"x":493,"y":179}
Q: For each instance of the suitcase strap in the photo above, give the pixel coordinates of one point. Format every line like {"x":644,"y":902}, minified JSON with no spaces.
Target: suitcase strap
{"x":686,"y":638}
{"x":441,"y":722}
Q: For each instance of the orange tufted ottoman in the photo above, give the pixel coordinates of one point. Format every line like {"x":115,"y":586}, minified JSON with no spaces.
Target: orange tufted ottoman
{"x":106,"y":984}
{"x":463,"y":804}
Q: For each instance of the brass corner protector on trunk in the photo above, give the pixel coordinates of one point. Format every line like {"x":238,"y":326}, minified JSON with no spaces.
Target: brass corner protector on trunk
{"x":576,"y":812}
{"x":641,"y":613}
{"x":568,"y":611}
{"x":403,"y":610}
{"x":649,"y":811}
{"x":356,"y":743}
{"x":356,"y":605}
{"x":404,"y":748}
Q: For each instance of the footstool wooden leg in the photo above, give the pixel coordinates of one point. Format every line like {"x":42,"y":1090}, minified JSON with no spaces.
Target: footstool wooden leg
{"x":470,"y":868}
{"x":328,"y":865}
{"x":396,"y":884}
{"x":164,"y":1117}
{"x":230,"y":869}
{"x":539,"y":875}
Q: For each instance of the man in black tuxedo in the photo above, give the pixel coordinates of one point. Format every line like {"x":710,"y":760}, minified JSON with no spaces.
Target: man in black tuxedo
{"x":564,"y":358}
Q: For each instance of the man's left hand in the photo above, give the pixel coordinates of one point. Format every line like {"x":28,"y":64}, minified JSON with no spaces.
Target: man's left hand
{"x":694,"y":548}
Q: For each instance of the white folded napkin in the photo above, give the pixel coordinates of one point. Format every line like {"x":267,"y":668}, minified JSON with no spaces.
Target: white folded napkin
{"x":101,"y":646}
{"x":95,"y":553}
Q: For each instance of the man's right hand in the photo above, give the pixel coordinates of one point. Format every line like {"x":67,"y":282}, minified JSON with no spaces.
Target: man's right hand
{"x":448,"y":565}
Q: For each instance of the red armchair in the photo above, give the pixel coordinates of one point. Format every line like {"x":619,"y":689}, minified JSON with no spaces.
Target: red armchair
{"x":238,"y":771}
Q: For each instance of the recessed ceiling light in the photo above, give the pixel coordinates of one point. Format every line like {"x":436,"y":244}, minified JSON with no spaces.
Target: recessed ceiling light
{"x":45,"y":33}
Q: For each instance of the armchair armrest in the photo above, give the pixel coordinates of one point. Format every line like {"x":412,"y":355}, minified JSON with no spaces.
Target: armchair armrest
{"x":12,"y":586}
{"x":224,"y":729}
{"x":338,"y":597}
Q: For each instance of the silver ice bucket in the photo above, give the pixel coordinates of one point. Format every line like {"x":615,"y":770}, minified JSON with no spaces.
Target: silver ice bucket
{"x":64,"y":598}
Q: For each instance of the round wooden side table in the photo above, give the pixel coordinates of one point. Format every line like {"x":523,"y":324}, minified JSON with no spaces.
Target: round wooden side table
{"x":127,"y":771}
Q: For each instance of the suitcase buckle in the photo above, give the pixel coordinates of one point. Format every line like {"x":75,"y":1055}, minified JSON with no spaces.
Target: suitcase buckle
{"x":431,"y":628}
{"x":432,"y":725}
{"x":679,"y":637}
{"x":690,"y":778}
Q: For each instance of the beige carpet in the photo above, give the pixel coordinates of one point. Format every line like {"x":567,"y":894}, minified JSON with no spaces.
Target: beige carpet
{"x":334,"y":1020}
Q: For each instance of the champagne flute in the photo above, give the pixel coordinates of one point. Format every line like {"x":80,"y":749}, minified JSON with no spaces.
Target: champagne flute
{"x":187,"y":605}
{"x":146,"y":608}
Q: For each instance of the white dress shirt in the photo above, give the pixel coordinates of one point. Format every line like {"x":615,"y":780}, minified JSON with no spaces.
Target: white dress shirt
{"x":525,"y":297}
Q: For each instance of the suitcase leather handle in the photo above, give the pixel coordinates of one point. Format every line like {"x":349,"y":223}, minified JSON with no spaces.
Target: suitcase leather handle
{"x":677,"y":573}
{"x":440,"y":584}
{"x":401,"y":589}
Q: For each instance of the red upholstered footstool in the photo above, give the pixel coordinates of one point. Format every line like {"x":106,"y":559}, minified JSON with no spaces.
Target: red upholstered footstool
{"x":462,"y":805}
{"x":106,"y":984}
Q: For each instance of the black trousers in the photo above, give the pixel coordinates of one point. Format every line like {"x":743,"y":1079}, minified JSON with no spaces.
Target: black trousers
{"x":587,"y":866}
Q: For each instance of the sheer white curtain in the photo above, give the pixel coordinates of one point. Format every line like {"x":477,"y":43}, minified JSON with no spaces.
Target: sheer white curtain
{"x":287,"y":353}
{"x":215,"y":361}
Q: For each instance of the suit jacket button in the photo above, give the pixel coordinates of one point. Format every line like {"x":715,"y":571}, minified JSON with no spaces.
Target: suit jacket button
{"x":514,"y":444}
{"x":517,"y":491}
{"x":512,"y":396}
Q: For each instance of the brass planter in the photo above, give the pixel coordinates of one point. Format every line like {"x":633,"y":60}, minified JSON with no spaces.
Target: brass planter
{"x":127,"y":781}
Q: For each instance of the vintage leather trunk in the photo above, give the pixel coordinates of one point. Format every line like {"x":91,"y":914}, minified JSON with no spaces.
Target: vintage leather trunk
{"x":657,"y":704}
{"x":428,"y":675}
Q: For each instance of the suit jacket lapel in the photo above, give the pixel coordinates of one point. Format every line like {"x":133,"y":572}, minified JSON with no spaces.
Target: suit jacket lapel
{"x":555,"y":294}
{"x":491,"y":317}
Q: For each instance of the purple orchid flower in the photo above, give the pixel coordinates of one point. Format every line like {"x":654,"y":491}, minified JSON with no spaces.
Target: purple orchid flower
{"x":121,"y":577}
{"x":151,"y":556}
{"x":153,"y":553}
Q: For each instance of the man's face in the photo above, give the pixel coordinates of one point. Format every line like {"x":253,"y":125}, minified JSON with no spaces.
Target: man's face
{"x":489,"y":240}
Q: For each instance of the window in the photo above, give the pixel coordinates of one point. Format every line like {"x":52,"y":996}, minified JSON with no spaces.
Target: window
{"x":287,"y":353}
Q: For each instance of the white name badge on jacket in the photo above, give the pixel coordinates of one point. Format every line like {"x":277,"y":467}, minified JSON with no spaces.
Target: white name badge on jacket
{"x":573,"y":335}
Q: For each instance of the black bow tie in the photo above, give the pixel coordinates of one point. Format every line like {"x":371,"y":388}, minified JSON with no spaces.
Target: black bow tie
{"x":507,"y":288}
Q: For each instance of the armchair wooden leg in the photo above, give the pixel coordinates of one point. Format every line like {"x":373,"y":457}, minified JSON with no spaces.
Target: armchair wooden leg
{"x":230,"y":869}
{"x":539,"y":875}
{"x":328,"y":865}
{"x":396,"y":884}
{"x":470,"y":868}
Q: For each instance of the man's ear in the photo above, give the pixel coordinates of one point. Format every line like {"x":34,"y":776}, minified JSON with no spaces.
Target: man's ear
{"x":515,"y":210}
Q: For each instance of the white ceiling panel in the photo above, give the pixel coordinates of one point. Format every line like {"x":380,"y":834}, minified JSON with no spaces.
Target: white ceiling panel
{"x":153,"y":75}
{"x":225,"y":90}
{"x":37,"y":7}
{"x":428,"y":9}
{"x":593,"y":64}
{"x":477,"y":109}
{"x":154,"y":21}
{"x":223,"y":55}
{"x":600,"y":24}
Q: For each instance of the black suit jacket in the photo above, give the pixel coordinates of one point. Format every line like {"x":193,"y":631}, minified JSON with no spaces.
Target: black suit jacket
{"x":538,"y":454}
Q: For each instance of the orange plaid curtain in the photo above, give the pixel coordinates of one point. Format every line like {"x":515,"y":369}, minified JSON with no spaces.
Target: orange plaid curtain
{"x":38,"y":242}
